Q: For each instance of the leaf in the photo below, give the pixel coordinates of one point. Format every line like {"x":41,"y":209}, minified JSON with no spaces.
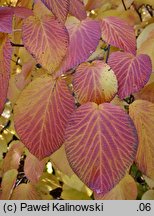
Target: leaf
{"x":25,"y":192}
{"x":149,"y":182}
{"x":142,"y":113}
{"x":8,"y":182}
{"x":148,"y":195}
{"x":84,"y":38}
{"x":46,"y":39}
{"x":6,"y":17}
{"x":5,"y":57}
{"x":24,"y":77}
{"x":132,"y":72}
{"x":33,"y":168}
{"x":144,"y":35}
{"x":125,"y":190}
{"x":59,"y":8}
{"x":118,"y":33}
{"x":41,"y":115}
{"x":100,"y":143}
{"x":147,"y":93}
{"x":12,"y":158}
{"x":77,"y":9}
{"x":94,"y":82}
{"x":59,"y":160}
{"x":147,"y":46}
{"x":22,"y":12}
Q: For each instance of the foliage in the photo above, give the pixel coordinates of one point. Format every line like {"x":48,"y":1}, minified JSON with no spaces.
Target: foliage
{"x":76,"y":99}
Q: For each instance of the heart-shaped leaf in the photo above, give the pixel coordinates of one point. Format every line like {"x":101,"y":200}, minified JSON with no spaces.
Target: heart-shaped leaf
{"x":118,"y":33}
{"x":84,"y":38}
{"x":100,"y":143}
{"x":94,"y":82}
{"x":132,"y":72}
{"x":41,"y":115}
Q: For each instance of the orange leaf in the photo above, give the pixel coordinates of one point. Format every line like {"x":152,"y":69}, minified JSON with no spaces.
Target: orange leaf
{"x":41,"y":115}
{"x":100,"y":144}
{"x":142,"y":113}
{"x":25,"y":192}
{"x":46,"y":39}
{"x":95,"y":82}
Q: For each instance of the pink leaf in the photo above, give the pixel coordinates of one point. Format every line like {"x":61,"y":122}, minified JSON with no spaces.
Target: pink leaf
{"x":59,"y":8}
{"x":22,"y":12}
{"x":77,"y":9}
{"x":118,"y":33}
{"x":84,"y":38}
{"x":5,"y":58}
{"x":12,"y":158}
{"x":46,"y":39}
{"x":41,"y":115}
{"x":101,"y":143}
{"x":132,"y":72}
{"x":24,"y":77}
{"x":6,"y":17}
{"x":94,"y":82}
{"x":33,"y":168}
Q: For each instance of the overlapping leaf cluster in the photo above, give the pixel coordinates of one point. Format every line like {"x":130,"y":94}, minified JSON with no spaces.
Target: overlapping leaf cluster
{"x":64,"y":95}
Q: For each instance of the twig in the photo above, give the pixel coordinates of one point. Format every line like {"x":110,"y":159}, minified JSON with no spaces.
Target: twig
{"x":108,"y":53}
{"x":124,"y":5}
{"x":16,"y":45}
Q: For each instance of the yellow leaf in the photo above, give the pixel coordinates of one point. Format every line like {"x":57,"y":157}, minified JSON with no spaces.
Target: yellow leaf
{"x":142,"y":113}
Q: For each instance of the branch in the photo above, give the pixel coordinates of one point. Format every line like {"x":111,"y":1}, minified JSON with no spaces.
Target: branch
{"x":124,"y":5}
{"x":108,"y":53}
{"x":17,"y":45}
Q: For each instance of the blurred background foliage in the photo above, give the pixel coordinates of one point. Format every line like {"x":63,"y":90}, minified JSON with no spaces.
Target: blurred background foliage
{"x":22,"y":176}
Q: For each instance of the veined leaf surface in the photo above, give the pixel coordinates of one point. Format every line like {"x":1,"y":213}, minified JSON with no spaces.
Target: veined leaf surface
{"x":94,"y":82}
{"x":142,"y":113}
{"x":25,"y":192}
{"x":6,"y":16}
{"x":59,"y":8}
{"x":46,"y":39}
{"x":125,"y":190}
{"x":100,"y":143}
{"x":41,"y":115}
{"x":8,"y":182}
{"x":5,"y":58}
{"x":13,"y":156}
{"x":118,"y":33}
{"x":84,"y":38}
{"x":132,"y":72}
{"x":33,"y":168}
{"x":77,"y":9}
{"x":147,"y":93}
